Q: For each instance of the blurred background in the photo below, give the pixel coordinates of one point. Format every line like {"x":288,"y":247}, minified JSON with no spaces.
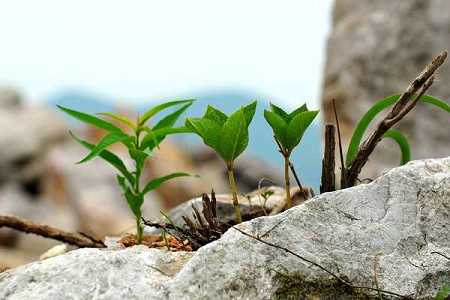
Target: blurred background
{"x":99,"y":56}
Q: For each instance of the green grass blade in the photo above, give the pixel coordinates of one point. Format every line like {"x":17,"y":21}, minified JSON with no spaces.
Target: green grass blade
{"x":108,"y":140}
{"x":156,"y":109}
{"x":155,"y":183}
{"x":86,"y":118}
{"x":368,"y":117}
{"x":402,"y":142}
{"x":119,"y":118}
{"x":108,"y":156}
{"x":171,"y":119}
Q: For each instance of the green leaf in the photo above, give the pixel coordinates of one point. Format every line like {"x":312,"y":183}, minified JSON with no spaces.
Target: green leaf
{"x":119,"y":118}
{"x":297,"y":127}
{"x":280,"y":112}
{"x":155,"y":137}
{"x":234,"y":136}
{"x":215,"y":115}
{"x":171,"y":119}
{"x":402,"y":142}
{"x":279,"y":126}
{"x":106,"y":141}
{"x":91,"y":119}
{"x":443,"y":293}
{"x":207,"y":129}
{"x":139,"y":157}
{"x":368,"y":117}
{"x":110,"y":157}
{"x":156,"y":109}
{"x":155,"y":183}
{"x":249,"y":112}
{"x":301,"y":109}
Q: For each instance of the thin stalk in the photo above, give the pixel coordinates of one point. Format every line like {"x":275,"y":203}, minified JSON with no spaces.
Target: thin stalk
{"x":234,"y":191}
{"x":287,"y":184}
{"x":139,"y":226}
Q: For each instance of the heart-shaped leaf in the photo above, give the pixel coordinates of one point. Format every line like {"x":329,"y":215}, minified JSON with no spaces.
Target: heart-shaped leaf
{"x":297,"y":127}
{"x":207,"y":129}
{"x":234,"y":137}
{"x":249,"y":112}
{"x":278,"y":124}
{"x":215,"y":115}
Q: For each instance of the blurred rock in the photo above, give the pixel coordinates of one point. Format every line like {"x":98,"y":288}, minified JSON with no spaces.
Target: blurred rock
{"x":375,"y":50}
{"x":9,"y":98}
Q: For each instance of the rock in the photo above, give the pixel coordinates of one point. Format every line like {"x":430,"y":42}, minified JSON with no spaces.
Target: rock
{"x":132,"y":273}
{"x":396,"y":223}
{"x":9,"y":98}
{"x":374,"y":51}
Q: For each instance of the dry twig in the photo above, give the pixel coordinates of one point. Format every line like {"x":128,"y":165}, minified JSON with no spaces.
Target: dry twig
{"x":405,"y":104}
{"x":328,"y":183}
{"x":337,"y":277}
{"x":78,"y":239}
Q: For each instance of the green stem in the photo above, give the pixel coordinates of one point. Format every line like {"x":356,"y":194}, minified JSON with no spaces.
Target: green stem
{"x":139,"y":226}
{"x":287,"y":182}
{"x":234,"y":191}
{"x":139,"y":230}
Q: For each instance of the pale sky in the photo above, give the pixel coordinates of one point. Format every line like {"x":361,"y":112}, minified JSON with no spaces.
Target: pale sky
{"x":138,"y":50}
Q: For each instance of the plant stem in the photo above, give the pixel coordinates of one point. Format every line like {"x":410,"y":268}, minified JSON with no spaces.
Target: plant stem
{"x":139,"y":226}
{"x":139,"y":230}
{"x":287,"y":182}
{"x":234,"y":191}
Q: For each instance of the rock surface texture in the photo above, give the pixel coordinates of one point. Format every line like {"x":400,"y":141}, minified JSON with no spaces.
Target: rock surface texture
{"x":375,"y":50}
{"x":393,"y":225}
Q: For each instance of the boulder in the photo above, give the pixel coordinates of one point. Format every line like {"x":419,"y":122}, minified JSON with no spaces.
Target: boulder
{"x":391,"y":229}
{"x":375,"y":50}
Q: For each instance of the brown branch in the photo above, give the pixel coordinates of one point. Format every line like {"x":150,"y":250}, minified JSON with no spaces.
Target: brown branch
{"x":419,"y":86}
{"x":339,"y":279}
{"x":328,"y":183}
{"x":341,"y":154}
{"x":80,"y":240}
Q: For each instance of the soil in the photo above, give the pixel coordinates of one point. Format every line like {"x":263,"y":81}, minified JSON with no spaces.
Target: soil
{"x":158,"y":242}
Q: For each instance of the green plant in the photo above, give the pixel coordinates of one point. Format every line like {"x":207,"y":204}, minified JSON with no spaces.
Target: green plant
{"x":228,"y":136}
{"x":443,"y":293}
{"x":288,"y":129}
{"x":397,"y":136}
{"x":142,"y":140}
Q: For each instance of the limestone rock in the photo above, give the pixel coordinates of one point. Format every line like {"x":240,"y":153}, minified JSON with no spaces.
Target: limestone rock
{"x":375,"y":50}
{"x":396,"y":223}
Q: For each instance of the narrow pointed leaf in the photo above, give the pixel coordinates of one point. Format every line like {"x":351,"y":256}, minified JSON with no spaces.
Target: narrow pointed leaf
{"x":297,"y":127}
{"x":108,"y":156}
{"x":207,"y":129}
{"x":215,"y":115}
{"x":279,"y":126}
{"x":402,"y":142}
{"x":370,"y":115}
{"x":155,"y":183}
{"x":119,"y":118}
{"x":249,"y":112}
{"x":171,"y":119}
{"x":155,"y":137}
{"x":105,"y":142}
{"x":156,"y":109}
{"x":86,"y":118}
{"x":234,"y":137}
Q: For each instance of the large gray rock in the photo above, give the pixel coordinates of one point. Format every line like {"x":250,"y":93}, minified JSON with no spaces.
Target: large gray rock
{"x":396,"y":223}
{"x":375,"y":49}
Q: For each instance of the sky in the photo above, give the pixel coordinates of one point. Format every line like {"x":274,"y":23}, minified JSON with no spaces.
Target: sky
{"x":134,"y":50}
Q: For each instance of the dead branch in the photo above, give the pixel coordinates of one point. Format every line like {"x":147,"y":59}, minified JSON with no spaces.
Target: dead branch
{"x":337,"y":277}
{"x":341,"y":155}
{"x":328,"y":183}
{"x":80,"y":240}
{"x":405,"y":104}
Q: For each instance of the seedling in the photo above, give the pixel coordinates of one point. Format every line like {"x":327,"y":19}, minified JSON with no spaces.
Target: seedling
{"x":397,"y":136}
{"x":228,"y":136}
{"x":288,"y":129}
{"x":142,"y":140}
